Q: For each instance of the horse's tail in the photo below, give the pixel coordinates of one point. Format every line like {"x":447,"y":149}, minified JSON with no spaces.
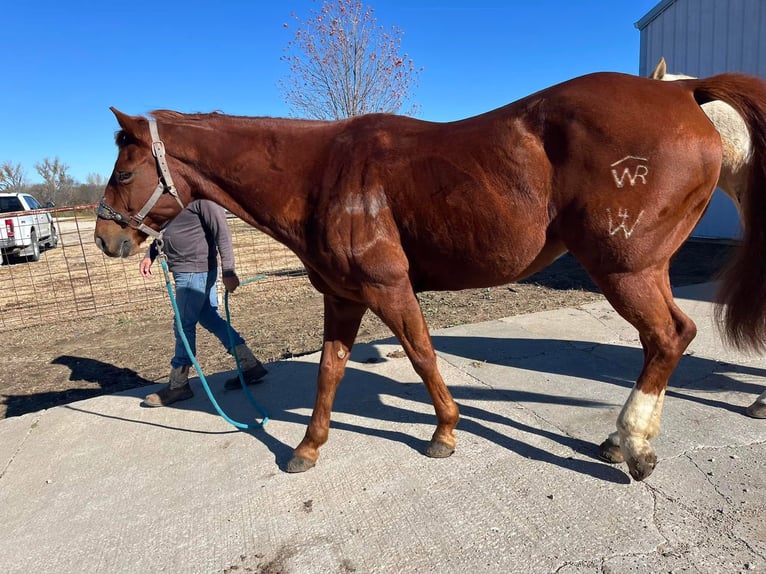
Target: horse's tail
{"x":741,"y":309}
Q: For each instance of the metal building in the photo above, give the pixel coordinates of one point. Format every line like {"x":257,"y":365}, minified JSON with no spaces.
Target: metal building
{"x":701,"y":38}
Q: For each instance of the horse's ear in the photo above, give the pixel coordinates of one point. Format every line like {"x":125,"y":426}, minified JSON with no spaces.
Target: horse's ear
{"x":128,"y":123}
{"x":660,"y":71}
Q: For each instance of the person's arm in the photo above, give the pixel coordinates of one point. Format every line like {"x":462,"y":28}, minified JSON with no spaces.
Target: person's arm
{"x":215,"y":218}
{"x":145,"y":267}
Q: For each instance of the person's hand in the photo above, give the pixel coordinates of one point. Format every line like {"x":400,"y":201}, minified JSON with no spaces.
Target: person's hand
{"x":231,"y":282}
{"x":145,"y":267}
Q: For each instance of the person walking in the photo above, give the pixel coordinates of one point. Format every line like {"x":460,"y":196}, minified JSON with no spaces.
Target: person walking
{"x":192,"y":243}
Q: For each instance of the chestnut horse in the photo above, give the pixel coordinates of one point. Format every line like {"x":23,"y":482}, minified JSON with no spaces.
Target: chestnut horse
{"x":613,"y":168}
{"x":735,"y":169}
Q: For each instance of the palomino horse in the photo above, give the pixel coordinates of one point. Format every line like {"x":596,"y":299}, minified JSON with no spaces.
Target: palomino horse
{"x":613,"y":168}
{"x":735,"y":167}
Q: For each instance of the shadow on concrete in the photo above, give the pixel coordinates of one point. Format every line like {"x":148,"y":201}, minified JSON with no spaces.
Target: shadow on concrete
{"x":288,"y":394}
{"x":108,"y":377}
{"x":613,"y":364}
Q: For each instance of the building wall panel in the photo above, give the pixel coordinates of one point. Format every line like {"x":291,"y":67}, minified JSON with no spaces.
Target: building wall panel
{"x":702,"y":38}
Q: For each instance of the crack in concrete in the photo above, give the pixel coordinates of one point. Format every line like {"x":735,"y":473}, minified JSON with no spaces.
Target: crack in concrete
{"x":726,"y":523}
{"x":599,"y":319}
{"x":707,"y":477}
{"x":20,"y":446}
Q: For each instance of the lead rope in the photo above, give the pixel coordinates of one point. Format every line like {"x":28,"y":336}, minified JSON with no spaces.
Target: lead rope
{"x":259,"y":408}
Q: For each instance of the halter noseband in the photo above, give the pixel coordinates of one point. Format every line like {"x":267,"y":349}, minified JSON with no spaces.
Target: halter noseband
{"x":164,"y":185}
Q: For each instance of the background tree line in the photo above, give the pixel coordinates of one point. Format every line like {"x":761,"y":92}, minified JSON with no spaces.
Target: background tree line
{"x":58,"y":187}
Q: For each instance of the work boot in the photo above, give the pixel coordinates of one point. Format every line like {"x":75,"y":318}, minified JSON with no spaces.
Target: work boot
{"x":252,"y":369}
{"x":758,"y":409}
{"x":178,"y":389}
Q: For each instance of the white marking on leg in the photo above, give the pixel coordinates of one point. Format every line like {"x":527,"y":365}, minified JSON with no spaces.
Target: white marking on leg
{"x":633,"y":425}
{"x":654,"y":421}
{"x":637,"y":413}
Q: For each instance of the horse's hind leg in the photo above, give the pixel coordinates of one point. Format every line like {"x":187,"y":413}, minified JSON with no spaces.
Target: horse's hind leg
{"x":645,"y":300}
{"x":610,"y":448}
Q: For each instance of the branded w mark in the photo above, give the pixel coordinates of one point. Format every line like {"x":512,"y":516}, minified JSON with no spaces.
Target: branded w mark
{"x":623,"y":215}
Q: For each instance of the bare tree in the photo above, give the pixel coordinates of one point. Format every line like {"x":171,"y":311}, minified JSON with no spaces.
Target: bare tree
{"x":96,"y":180}
{"x":90,"y":191}
{"x":12,"y":177}
{"x":343,"y":64}
{"x":57,"y":184}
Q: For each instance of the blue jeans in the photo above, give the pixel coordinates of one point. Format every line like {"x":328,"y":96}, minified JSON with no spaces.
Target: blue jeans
{"x":197,"y":303}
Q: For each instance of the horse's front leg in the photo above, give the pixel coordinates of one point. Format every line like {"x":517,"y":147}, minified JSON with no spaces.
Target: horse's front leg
{"x":341,"y":324}
{"x":400,"y":311}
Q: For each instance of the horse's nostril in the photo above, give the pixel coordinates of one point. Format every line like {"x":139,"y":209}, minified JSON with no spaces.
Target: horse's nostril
{"x":125,"y":248}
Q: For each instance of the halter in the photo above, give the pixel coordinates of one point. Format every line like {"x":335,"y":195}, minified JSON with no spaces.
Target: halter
{"x":164,"y":185}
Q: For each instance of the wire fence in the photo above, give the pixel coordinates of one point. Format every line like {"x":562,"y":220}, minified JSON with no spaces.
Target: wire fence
{"x":75,"y":279}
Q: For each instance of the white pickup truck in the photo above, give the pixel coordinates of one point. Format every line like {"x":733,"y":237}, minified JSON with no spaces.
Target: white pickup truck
{"x":24,"y":227}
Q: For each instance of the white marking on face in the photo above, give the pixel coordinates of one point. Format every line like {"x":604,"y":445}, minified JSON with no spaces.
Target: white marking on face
{"x":640,"y":172}
{"x":623,"y":215}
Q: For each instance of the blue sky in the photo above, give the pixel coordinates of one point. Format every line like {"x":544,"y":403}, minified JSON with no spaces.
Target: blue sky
{"x":65,"y":63}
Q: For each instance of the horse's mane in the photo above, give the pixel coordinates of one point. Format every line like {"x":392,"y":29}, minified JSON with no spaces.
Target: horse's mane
{"x":194,"y":119}
{"x":171,"y":115}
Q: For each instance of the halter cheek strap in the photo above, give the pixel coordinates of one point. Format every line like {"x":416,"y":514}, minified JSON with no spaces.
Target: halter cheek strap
{"x":164,"y":185}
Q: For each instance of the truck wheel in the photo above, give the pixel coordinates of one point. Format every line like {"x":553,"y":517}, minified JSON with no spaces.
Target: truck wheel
{"x":35,"y":247}
{"x":53,"y":239}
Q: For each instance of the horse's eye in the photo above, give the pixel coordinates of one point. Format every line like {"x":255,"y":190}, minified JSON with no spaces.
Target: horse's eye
{"x":124,"y":176}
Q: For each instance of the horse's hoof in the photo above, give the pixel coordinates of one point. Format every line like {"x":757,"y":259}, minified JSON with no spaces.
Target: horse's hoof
{"x":757,"y":410}
{"x":439,"y":449}
{"x":641,"y":468}
{"x":610,"y":452}
{"x":298,"y":464}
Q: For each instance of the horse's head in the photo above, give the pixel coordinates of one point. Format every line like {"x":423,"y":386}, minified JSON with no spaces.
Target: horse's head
{"x":140,"y":195}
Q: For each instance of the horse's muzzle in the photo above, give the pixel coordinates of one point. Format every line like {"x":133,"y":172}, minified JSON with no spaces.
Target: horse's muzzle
{"x":122,"y":247}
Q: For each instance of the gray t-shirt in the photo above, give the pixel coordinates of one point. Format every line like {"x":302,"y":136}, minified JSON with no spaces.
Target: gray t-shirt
{"x":194,"y":236}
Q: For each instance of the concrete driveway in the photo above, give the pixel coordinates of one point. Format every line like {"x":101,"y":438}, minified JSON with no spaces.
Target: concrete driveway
{"x":104,"y":485}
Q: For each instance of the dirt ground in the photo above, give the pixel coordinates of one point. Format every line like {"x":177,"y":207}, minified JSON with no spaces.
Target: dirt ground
{"x":73,"y":360}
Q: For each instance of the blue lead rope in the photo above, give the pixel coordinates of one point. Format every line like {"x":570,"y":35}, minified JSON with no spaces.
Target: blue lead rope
{"x":202,"y":378}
